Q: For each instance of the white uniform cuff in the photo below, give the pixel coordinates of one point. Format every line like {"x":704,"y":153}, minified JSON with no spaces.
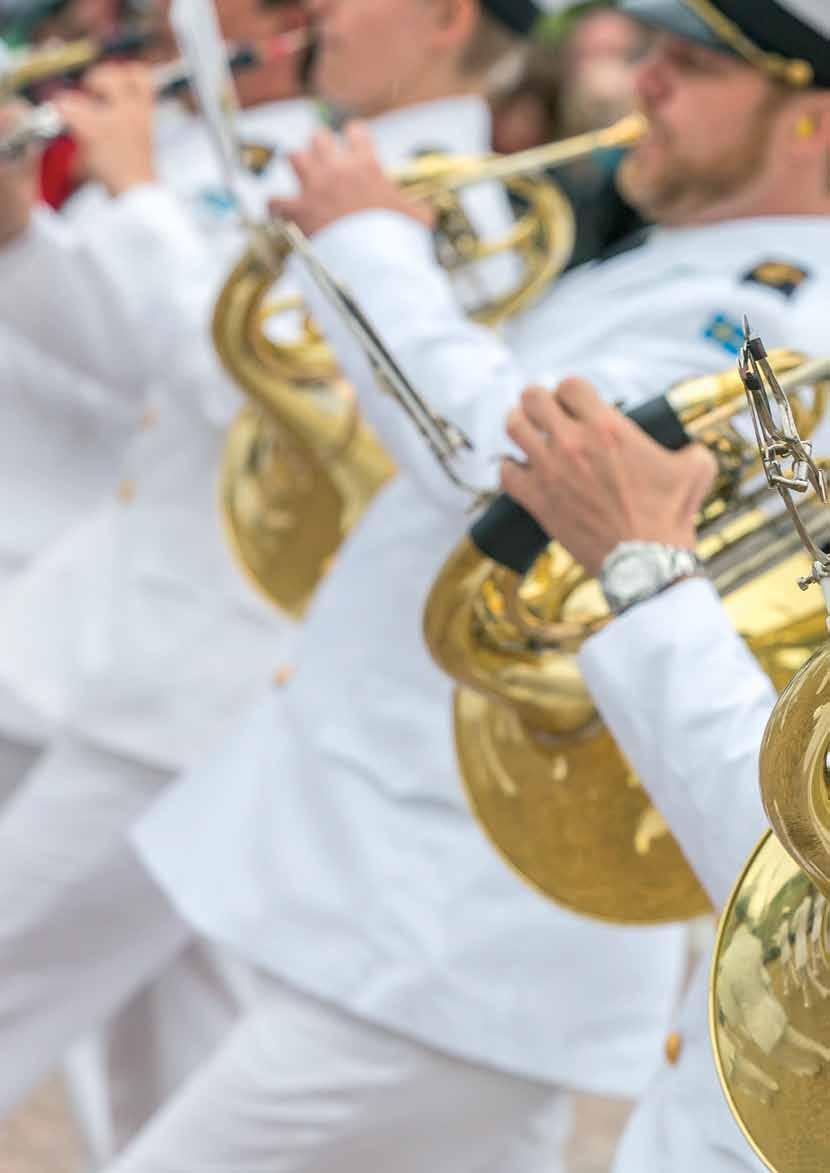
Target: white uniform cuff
{"x":687,"y":704}
{"x":374,"y":235}
{"x":609,"y":658}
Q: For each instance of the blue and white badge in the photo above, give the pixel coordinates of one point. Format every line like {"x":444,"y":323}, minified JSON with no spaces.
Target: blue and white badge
{"x":726,"y":332}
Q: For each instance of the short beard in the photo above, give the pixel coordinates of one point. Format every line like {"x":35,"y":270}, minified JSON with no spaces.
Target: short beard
{"x":682,"y":189}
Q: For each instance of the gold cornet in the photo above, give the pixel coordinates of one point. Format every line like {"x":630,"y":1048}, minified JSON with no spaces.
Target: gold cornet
{"x":505,"y":619}
{"x":300,"y":467}
{"x":770,"y":994}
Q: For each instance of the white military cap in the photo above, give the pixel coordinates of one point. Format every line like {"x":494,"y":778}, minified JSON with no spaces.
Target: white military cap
{"x":789,"y":39}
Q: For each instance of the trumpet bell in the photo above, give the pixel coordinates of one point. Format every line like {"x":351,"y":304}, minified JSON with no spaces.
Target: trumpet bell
{"x":769,"y":1020}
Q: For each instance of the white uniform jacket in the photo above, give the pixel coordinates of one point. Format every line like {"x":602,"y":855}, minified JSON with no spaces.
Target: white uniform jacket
{"x":61,"y":444}
{"x":693,"y":738}
{"x":136,"y":631}
{"x":133,"y":629}
{"x":357,"y":871}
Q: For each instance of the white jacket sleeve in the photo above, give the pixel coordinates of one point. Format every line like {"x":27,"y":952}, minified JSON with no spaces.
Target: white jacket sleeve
{"x":169,"y":273}
{"x":452,"y":362}
{"x":473,"y":378}
{"x":688,"y":704}
{"x":52,"y":295}
{"x":128,"y":305}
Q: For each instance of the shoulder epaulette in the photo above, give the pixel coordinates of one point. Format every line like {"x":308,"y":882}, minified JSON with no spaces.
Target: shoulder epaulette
{"x":782,"y":276}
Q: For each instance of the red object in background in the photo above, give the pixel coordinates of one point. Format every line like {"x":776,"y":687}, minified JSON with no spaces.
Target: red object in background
{"x":57,"y":171}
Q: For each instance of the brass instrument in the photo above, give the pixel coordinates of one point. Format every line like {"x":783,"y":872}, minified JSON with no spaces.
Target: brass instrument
{"x":42,"y":123}
{"x":542,"y":773}
{"x":300,"y":468}
{"x":21,"y":68}
{"x":770,"y":994}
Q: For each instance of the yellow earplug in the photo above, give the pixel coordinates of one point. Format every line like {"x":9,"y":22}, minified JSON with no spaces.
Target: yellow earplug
{"x":806,"y":126}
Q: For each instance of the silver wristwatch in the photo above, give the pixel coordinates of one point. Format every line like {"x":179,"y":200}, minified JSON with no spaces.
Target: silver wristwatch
{"x":637,"y":571}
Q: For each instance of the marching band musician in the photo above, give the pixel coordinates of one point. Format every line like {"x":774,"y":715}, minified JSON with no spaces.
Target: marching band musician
{"x":132,"y":631}
{"x":702,"y":700}
{"x":75,"y":429}
{"x":62,"y":439}
{"x":179,"y":167}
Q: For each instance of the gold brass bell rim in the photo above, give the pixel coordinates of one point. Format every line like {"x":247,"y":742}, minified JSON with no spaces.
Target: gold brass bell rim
{"x":235,"y":454}
{"x":769,"y":1011}
{"x":486,"y":738}
{"x":724,"y":923}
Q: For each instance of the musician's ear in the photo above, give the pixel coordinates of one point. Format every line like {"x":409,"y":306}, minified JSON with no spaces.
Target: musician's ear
{"x":456,"y":22}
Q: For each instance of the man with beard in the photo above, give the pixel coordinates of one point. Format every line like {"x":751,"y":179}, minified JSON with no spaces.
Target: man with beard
{"x":626,"y":510}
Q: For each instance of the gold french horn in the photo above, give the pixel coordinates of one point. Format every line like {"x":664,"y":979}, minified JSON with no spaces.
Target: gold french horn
{"x":300,"y":467}
{"x":770,"y":994}
{"x":542,"y":773}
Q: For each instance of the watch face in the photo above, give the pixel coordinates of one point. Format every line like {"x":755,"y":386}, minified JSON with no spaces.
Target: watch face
{"x":635,"y":577}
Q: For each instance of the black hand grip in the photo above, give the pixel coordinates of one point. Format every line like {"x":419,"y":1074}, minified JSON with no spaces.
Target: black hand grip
{"x":658,"y":419}
{"x":508,"y":534}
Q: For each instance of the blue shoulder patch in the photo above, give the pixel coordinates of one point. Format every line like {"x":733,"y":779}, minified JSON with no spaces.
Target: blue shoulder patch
{"x":726,"y":332}
{"x":219,"y":201}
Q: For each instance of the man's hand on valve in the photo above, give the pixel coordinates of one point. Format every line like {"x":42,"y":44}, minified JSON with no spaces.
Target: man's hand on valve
{"x":339,"y":177}
{"x":18,"y":180}
{"x":112,"y":121}
{"x":594,"y":479}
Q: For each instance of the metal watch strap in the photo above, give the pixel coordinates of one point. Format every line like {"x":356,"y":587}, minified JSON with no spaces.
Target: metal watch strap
{"x":637,"y":571}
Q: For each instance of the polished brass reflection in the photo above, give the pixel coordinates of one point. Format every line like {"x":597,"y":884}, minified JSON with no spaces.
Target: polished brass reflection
{"x":300,"y":467}
{"x":770,"y":993}
{"x":771,"y":976}
{"x":543,"y":775}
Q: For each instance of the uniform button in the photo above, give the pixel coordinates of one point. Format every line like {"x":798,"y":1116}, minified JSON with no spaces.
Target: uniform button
{"x":283,"y":675}
{"x":674,"y":1048}
{"x":126,"y":491}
